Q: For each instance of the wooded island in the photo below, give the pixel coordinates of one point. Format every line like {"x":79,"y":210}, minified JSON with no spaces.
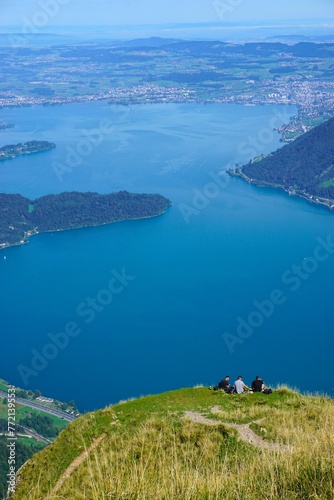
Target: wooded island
{"x":13,"y":150}
{"x":21,"y":217}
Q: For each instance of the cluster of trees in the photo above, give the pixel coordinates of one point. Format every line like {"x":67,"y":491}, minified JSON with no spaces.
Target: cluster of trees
{"x":305,"y":165}
{"x":71,"y":210}
{"x":71,"y":405}
{"x":42,"y":424}
{"x":14,"y":211}
{"x":22,"y":454}
{"x":3,"y":425}
{"x":22,"y":393}
{"x":22,"y":451}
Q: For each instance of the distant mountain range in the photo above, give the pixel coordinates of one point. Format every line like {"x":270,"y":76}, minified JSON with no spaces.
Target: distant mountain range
{"x":153,"y":41}
{"x":300,"y":38}
{"x":156,"y":41}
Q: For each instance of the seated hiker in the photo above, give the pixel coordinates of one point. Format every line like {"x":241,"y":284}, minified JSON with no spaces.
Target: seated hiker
{"x":240,"y":386}
{"x":257,"y":384}
{"x":225,"y":385}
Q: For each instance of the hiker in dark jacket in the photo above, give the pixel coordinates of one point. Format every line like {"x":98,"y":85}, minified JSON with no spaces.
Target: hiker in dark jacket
{"x":257,"y":384}
{"x":225,"y":385}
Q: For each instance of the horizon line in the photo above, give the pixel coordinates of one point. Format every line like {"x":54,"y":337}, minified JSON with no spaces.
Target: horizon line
{"x":310,"y":21}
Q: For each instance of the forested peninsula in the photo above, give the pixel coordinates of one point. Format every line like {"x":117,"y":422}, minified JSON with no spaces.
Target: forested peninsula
{"x":304,"y":167}
{"x":27,"y":148}
{"x":20,"y":217}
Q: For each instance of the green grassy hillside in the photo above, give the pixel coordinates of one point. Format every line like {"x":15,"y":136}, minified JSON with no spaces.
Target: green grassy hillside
{"x":191,"y":444}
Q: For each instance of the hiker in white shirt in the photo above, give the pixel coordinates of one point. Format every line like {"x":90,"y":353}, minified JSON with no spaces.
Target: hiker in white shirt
{"x":240,"y":386}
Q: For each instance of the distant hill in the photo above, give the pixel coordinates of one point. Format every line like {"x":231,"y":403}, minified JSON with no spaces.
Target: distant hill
{"x":153,"y":41}
{"x":191,"y":444}
{"x":21,"y":217}
{"x":304,"y":167}
{"x":292,"y":39}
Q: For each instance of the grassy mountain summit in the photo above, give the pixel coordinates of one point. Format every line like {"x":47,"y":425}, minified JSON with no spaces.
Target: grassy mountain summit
{"x":304,"y":167}
{"x":191,"y":444}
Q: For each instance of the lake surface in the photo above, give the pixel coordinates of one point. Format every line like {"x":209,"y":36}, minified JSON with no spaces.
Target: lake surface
{"x":191,"y":276}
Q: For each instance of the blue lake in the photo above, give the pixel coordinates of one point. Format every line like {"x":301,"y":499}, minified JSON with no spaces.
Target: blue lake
{"x":196,"y":272}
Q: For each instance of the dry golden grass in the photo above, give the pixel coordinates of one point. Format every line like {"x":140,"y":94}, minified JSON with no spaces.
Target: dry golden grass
{"x":161,"y":456}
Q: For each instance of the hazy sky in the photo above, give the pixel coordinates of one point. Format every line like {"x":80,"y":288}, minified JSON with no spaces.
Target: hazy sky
{"x":125,"y":12}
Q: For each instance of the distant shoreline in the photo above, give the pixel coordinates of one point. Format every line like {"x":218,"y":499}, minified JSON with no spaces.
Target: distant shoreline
{"x":36,"y":232}
{"x":308,"y":197}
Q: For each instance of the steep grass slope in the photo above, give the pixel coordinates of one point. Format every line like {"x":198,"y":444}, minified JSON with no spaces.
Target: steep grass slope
{"x":191,"y":444}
